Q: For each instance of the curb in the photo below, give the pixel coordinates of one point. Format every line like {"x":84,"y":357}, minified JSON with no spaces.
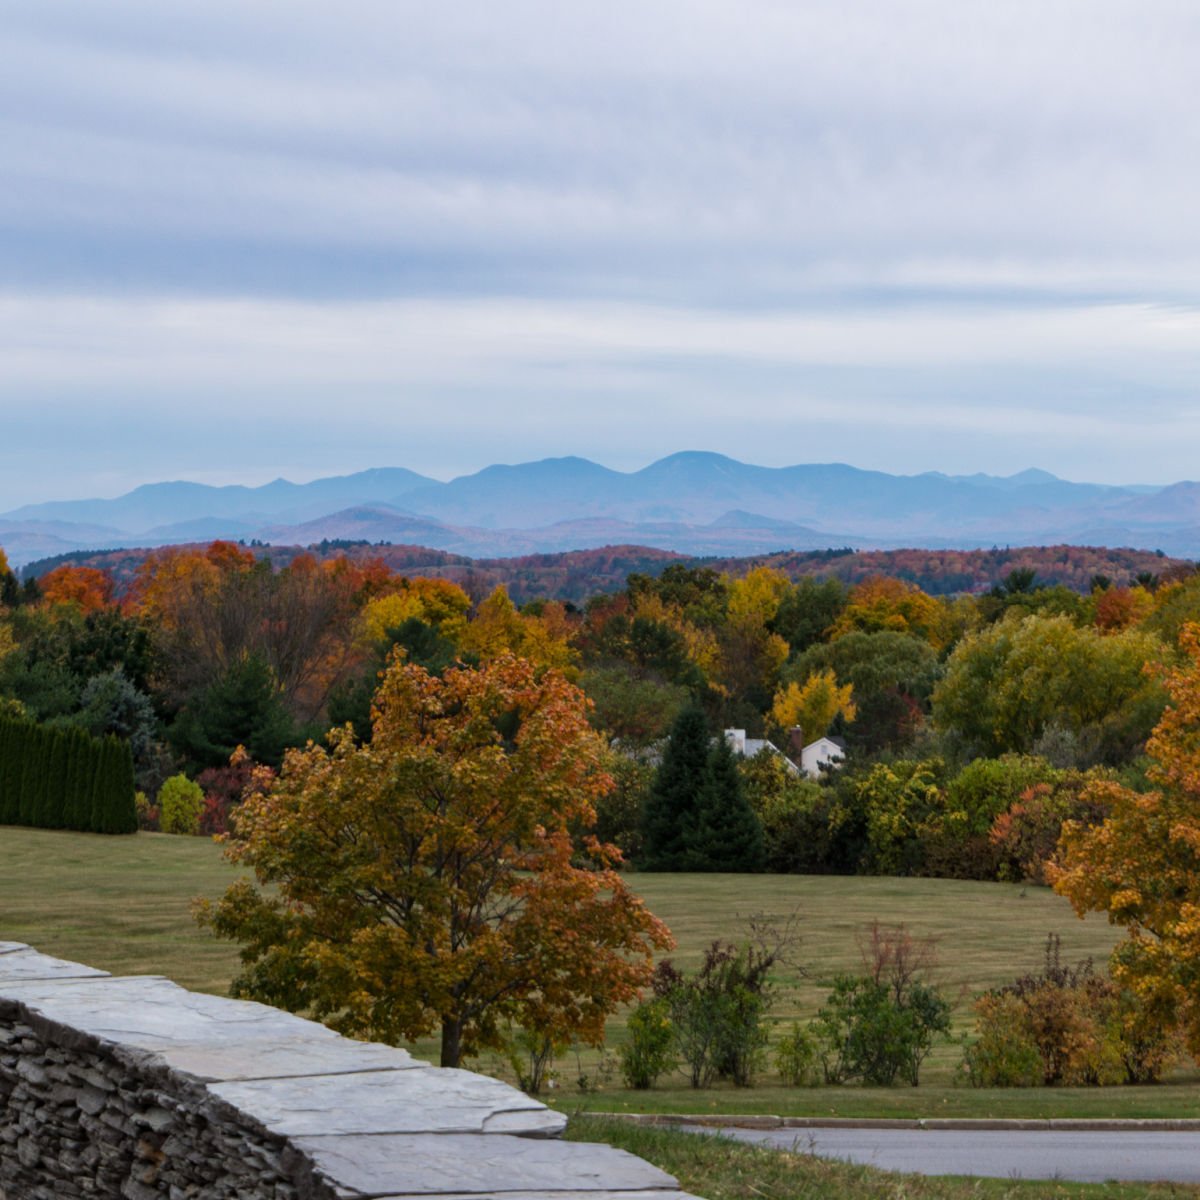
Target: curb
{"x":932,"y":1124}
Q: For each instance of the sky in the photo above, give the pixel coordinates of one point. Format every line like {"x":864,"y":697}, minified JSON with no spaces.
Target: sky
{"x":239,"y":241}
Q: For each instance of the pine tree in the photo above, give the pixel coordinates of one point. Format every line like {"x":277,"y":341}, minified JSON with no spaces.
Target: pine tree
{"x":670,"y":813}
{"x":727,"y":835}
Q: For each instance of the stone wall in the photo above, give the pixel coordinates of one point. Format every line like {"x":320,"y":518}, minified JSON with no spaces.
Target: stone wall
{"x":134,"y":1088}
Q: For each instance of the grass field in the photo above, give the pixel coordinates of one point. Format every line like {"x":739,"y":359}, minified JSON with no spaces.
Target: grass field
{"x":123,"y":904}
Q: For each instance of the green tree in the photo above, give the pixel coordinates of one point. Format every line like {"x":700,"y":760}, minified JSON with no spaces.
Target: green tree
{"x":892,"y":675}
{"x":670,"y":815}
{"x":242,"y":708}
{"x":1008,"y":684}
{"x":726,"y":835}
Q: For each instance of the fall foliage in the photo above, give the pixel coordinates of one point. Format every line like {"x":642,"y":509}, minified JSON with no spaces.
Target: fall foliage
{"x":428,"y":879}
{"x":1141,"y":865}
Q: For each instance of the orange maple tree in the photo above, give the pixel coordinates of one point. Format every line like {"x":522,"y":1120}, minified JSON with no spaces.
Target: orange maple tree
{"x":88,"y":587}
{"x":1141,"y":865}
{"x":432,"y":877}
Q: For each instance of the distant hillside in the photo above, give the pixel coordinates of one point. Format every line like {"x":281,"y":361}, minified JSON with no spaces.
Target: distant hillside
{"x":576,"y":575}
{"x":693,"y":503}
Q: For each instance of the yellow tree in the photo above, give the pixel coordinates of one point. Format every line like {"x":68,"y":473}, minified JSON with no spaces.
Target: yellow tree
{"x":813,"y":705}
{"x":498,"y":629}
{"x":1142,"y":864}
{"x":434,"y":878}
{"x":437,"y":602}
{"x":751,"y":653}
{"x":880,"y":603}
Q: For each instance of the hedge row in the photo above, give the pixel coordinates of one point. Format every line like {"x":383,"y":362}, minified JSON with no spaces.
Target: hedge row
{"x":65,"y":779}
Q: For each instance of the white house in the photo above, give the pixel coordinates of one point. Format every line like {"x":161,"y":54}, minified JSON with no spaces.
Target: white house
{"x":823,"y":754}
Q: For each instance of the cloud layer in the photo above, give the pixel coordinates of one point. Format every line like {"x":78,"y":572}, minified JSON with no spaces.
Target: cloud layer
{"x":906,"y":233}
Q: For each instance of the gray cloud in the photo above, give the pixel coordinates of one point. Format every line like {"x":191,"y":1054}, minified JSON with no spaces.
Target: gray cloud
{"x":967,"y":224}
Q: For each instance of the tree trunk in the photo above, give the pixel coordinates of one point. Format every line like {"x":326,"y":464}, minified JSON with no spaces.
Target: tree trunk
{"x":451,"y":1042}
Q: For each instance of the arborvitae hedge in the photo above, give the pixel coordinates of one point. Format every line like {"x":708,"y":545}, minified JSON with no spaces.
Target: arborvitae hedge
{"x":65,"y":779}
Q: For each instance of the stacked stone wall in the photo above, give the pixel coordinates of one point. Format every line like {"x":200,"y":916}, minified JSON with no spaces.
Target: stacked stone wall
{"x":78,"y":1122}
{"x":131,"y":1088}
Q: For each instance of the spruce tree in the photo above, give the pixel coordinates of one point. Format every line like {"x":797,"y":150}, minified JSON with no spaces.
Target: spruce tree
{"x":670,"y":813}
{"x":727,"y":835}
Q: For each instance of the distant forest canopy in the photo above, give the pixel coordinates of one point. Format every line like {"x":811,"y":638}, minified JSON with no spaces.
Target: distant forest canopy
{"x":986,"y":713}
{"x":578,"y":574}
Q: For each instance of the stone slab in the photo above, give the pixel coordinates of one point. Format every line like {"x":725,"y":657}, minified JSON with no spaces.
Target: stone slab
{"x":20,"y":963}
{"x":9,"y":947}
{"x":445,"y":1164}
{"x":427,"y":1100}
{"x":669,"y":1194}
{"x":208,"y":1037}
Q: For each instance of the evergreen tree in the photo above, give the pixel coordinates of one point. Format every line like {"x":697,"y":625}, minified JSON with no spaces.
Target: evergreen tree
{"x":727,"y":835}
{"x":77,"y":814}
{"x":119,"y":812}
{"x":670,"y":814}
{"x":98,"y":790}
{"x":243,"y":708}
{"x":54,"y":816}
{"x":31,"y":764}
{"x":9,"y":771}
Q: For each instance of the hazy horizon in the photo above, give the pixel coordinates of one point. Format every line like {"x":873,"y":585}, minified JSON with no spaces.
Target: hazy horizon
{"x":239,"y":242}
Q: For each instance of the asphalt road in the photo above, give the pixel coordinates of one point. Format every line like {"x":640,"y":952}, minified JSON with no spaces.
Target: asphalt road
{"x":1086,"y":1157}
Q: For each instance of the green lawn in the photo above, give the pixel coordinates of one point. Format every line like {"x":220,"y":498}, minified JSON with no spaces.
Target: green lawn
{"x":123,"y":904}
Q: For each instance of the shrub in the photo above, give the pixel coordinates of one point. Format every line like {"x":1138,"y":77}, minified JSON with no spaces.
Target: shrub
{"x":880,"y":1026}
{"x":717,"y":1013}
{"x":225,"y":787}
{"x":1066,"y":1025}
{"x":647,"y":1054}
{"x":1004,"y":1053}
{"x":865,"y":1034}
{"x":147,"y":813}
{"x":180,"y":804}
{"x":796,"y":1056}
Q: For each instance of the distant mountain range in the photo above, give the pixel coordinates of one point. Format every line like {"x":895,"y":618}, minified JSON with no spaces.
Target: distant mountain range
{"x":694,"y":503}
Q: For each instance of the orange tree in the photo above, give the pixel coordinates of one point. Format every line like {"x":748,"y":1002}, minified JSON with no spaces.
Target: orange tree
{"x":435,"y":877}
{"x":1141,"y":865}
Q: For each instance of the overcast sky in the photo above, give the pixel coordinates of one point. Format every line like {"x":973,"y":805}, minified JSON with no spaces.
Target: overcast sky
{"x":302,"y":238}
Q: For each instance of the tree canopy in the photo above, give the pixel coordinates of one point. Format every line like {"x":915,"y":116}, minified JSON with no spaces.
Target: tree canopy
{"x":1141,"y":865}
{"x":433,"y":877}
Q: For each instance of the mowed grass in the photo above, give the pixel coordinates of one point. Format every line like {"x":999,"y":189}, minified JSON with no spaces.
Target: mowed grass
{"x":118,"y":903}
{"x":123,"y":904}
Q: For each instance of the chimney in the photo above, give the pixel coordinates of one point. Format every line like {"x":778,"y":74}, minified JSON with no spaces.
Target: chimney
{"x":795,"y":742}
{"x":737,"y":740}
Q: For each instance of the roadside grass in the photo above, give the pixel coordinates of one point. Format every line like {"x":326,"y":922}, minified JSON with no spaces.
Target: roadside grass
{"x":720,"y":1169}
{"x":1180,"y":1097}
{"x":122,"y":904}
